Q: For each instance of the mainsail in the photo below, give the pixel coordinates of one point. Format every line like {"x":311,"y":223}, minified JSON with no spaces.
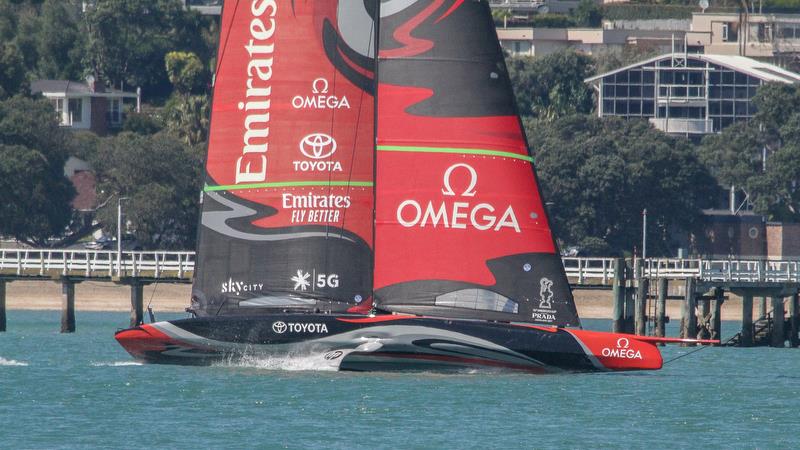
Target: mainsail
{"x":461,"y":230}
{"x":288,"y":203}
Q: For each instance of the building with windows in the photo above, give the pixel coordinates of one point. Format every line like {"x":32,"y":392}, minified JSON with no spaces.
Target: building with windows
{"x":771,"y":37}
{"x":544,"y":41}
{"x":689,"y":94}
{"x":86,"y":105}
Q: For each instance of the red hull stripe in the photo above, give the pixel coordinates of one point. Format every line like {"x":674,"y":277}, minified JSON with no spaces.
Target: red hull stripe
{"x":377,"y":319}
{"x":666,"y":340}
{"x":462,"y":151}
{"x":461,"y":360}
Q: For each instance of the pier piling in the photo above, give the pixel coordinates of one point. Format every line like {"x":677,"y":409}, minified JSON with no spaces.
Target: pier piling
{"x":2,"y":305}
{"x":618,"y":294}
{"x":716,"y":314}
{"x":661,"y":306}
{"x":704,"y":305}
{"x":778,"y":319}
{"x":747,"y":320}
{"x":762,"y":308}
{"x":137,"y":303}
{"x":689,"y":311}
{"x":630,"y":305}
{"x":67,"y":306}
{"x":794,"y":320}
{"x":641,"y":305}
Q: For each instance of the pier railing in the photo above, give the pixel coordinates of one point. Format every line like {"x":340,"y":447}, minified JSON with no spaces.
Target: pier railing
{"x":97,"y":264}
{"x":179,"y":266}
{"x":600,"y":271}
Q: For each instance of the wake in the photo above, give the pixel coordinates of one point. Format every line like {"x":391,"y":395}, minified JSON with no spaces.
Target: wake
{"x":116,"y":364}
{"x":293,"y":363}
{"x":11,"y":362}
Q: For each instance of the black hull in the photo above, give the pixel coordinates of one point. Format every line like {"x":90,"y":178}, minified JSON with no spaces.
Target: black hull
{"x":389,"y":343}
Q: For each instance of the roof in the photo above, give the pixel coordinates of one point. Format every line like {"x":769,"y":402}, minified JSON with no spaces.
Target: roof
{"x":761,"y":70}
{"x":74,"y":89}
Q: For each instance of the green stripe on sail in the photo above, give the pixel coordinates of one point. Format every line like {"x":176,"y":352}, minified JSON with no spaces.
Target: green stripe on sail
{"x":280,"y":184}
{"x":462,"y":151}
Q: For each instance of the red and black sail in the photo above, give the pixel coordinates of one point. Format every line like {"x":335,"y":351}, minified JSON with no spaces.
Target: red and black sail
{"x":461,"y":230}
{"x":288,"y":202}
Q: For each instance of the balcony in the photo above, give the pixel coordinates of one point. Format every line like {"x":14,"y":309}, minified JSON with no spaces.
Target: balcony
{"x":683,"y":126}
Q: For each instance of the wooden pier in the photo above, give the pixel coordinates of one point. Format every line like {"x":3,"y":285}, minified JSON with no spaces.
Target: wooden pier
{"x":70,"y":267}
{"x":641,"y":288}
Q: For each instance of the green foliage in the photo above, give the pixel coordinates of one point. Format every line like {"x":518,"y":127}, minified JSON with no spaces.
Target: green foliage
{"x":552,"y":86}
{"x":35,"y":195}
{"x":60,"y":43}
{"x":142,"y":124}
{"x":588,"y":14}
{"x":629,"y":11}
{"x":161,"y":176}
{"x":601,"y":173}
{"x":552,"y":21}
{"x":735,"y":156}
{"x":129,"y":39}
{"x":12,"y":71}
{"x":185,"y":71}
{"x":188,"y":117}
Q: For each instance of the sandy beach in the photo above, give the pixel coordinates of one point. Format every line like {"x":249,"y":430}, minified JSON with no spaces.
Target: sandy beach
{"x":102,"y":296}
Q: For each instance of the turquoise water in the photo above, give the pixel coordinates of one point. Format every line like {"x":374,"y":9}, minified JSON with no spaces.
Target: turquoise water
{"x":82,"y":390}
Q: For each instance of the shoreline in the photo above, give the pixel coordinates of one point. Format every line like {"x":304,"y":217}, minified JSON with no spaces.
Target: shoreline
{"x":174,"y":298}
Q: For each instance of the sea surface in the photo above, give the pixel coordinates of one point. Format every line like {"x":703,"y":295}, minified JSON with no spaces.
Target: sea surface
{"x":82,"y":390}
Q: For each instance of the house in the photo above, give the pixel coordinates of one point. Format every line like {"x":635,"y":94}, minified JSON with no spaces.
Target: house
{"x":684,"y":93}
{"x":86,"y":105}
{"x":544,"y":41}
{"x":770,"y":37}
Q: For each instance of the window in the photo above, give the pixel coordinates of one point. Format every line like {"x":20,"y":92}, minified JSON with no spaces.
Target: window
{"x":730,"y":32}
{"x":75,"y":110}
{"x":114,"y":111}
{"x":647,"y":108}
{"x":477,"y":299}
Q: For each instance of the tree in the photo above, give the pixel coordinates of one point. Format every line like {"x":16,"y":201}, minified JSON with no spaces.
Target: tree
{"x":552,"y":86}
{"x":12,"y":71}
{"x":188,"y":117}
{"x":35,"y":195}
{"x":600,"y":174}
{"x":128,"y":40}
{"x":588,"y":14}
{"x":734,"y":155}
{"x":185,"y":72}
{"x":761,"y":156}
{"x":161,"y":178}
{"x":59,"y":41}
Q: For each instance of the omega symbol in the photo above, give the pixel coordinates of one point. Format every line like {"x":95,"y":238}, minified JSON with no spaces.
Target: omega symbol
{"x":623,"y":343}
{"x":470,"y":190}
{"x":319,"y":86}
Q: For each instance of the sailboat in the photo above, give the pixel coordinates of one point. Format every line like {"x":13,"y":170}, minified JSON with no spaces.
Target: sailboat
{"x":370,"y":199}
